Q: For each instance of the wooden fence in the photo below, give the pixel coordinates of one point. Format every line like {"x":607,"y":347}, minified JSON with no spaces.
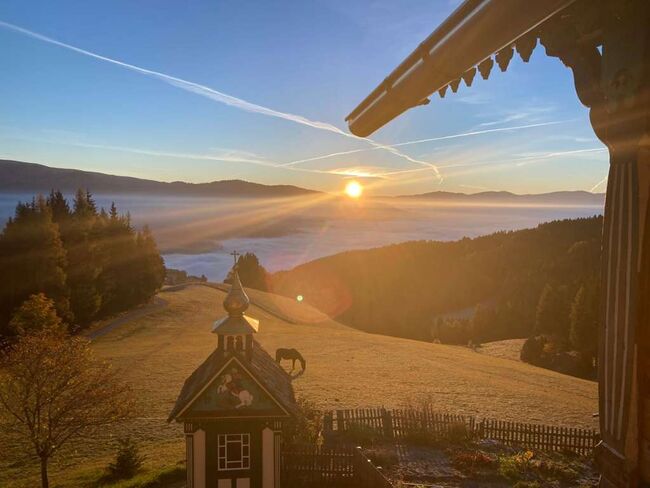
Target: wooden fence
{"x":403,"y":423}
{"x":318,"y":467}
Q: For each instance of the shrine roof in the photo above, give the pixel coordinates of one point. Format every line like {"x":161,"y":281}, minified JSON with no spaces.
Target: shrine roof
{"x":261,"y":366}
{"x":467,"y":39}
{"x":241,"y":324}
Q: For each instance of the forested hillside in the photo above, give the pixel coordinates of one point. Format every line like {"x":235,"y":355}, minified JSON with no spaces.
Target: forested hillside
{"x":90,"y":262}
{"x":504,"y":285}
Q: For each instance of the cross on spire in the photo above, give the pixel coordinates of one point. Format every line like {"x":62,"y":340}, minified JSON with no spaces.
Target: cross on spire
{"x":235,"y":255}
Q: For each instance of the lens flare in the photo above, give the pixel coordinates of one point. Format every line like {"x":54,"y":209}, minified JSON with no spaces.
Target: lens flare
{"x":353,"y":189}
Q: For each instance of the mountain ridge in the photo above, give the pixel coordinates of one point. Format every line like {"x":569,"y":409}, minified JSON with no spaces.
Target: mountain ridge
{"x":20,"y":176}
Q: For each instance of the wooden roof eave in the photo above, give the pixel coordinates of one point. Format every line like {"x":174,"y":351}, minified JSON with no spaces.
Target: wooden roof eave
{"x":472,"y":33}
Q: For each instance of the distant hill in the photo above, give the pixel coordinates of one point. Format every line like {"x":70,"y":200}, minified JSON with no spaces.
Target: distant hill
{"x":405,"y":289}
{"x":18,"y":177}
{"x":22,"y":177}
{"x":505,"y":197}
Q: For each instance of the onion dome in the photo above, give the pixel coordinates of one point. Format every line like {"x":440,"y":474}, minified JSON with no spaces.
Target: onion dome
{"x":236,"y":302}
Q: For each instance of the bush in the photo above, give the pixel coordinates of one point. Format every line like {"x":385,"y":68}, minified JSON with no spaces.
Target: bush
{"x":128,"y":460}
{"x":516,"y":466}
{"x":532,"y":351}
{"x":306,"y":427}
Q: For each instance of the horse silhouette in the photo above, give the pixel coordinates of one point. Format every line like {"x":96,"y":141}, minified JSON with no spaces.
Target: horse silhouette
{"x":291,"y":354}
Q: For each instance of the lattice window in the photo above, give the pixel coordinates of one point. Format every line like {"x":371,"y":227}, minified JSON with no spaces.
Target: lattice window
{"x":234,"y":451}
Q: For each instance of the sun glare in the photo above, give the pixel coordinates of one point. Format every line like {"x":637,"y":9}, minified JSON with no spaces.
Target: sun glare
{"x":353,"y":189}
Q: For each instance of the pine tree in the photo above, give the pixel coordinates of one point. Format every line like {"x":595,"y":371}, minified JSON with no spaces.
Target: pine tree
{"x":552,"y":313}
{"x":32,"y":260}
{"x":81,"y":241}
{"x":584,"y":321}
{"x":251,"y":273}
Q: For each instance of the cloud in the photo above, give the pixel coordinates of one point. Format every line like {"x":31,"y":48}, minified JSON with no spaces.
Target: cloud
{"x":217,"y":96}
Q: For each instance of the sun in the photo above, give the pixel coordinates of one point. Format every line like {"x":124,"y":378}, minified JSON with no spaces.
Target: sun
{"x":353,"y":189}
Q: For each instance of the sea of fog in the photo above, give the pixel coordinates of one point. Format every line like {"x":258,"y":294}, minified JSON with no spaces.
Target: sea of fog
{"x":197,"y":234}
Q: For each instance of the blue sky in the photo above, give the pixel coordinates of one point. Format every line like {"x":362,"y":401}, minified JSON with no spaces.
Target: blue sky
{"x":291,"y":66}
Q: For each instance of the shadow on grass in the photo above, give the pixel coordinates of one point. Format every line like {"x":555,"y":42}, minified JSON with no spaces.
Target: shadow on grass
{"x":167,"y":477}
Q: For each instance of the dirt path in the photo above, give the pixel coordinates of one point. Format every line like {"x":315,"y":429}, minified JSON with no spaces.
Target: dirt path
{"x":156,"y":304}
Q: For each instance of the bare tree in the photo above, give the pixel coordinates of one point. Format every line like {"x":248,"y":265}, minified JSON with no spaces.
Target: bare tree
{"x":54,"y":391}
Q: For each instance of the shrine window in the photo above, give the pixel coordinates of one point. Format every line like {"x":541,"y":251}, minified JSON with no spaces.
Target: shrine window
{"x":233,"y":451}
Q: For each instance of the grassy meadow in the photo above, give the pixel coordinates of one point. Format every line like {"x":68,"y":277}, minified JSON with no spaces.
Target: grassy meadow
{"x":346,"y":368}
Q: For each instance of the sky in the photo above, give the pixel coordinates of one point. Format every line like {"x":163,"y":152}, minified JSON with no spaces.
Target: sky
{"x":204,"y":90}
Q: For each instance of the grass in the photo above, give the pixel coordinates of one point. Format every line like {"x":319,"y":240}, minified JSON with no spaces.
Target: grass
{"x":506,"y":349}
{"x":345,"y":369}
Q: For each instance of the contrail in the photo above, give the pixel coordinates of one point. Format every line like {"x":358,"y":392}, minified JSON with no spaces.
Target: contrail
{"x":431,"y":139}
{"x":217,"y":96}
{"x":531,"y":159}
{"x":600,"y":183}
{"x":229,"y":157}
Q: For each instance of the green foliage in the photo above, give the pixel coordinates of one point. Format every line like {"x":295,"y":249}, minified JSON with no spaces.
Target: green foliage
{"x":516,"y":466}
{"x":251,"y":273}
{"x":533,"y":350}
{"x":32,"y":260}
{"x":306,"y":427}
{"x":35,"y":314}
{"x":157,"y":479}
{"x":585,"y":319}
{"x":91,"y":264}
{"x":552,"y":312}
{"x":128,"y":460}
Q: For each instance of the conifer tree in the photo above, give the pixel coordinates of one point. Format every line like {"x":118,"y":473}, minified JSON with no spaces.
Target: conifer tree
{"x":32,"y":260}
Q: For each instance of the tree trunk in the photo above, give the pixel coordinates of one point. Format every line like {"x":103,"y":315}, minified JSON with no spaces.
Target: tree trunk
{"x":44,"y":481}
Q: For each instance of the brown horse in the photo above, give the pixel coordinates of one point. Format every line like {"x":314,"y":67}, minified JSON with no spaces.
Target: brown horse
{"x":291,"y":354}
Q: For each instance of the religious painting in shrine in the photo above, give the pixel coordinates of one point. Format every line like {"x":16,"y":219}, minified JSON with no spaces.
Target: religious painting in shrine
{"x":234,"y":392}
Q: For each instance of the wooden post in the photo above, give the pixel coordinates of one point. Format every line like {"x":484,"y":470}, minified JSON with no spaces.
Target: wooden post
{"x":387,"y":423}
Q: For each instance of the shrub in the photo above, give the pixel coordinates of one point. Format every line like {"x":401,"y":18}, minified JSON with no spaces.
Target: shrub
{"x":306,"y":427}
{"x":128,"y":460}
{"x":516,"y":466}
{"x":533,"y":350}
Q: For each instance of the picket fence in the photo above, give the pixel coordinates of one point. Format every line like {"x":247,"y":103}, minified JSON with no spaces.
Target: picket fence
{"x":404,"y":423}
{"x":318,"y":467}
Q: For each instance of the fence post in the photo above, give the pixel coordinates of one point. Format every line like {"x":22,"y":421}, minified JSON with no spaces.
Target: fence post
{"x":328,"y":423}
{"x":387,"y":423}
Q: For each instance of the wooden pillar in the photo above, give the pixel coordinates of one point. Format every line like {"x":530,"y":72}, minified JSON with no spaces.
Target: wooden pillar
{"x":644,"y":324}
{"x":612,"y":77}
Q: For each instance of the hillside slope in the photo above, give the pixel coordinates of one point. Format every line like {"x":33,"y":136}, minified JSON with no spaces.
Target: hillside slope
{"x":404,"y":289}
{"x":345,"y":368}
